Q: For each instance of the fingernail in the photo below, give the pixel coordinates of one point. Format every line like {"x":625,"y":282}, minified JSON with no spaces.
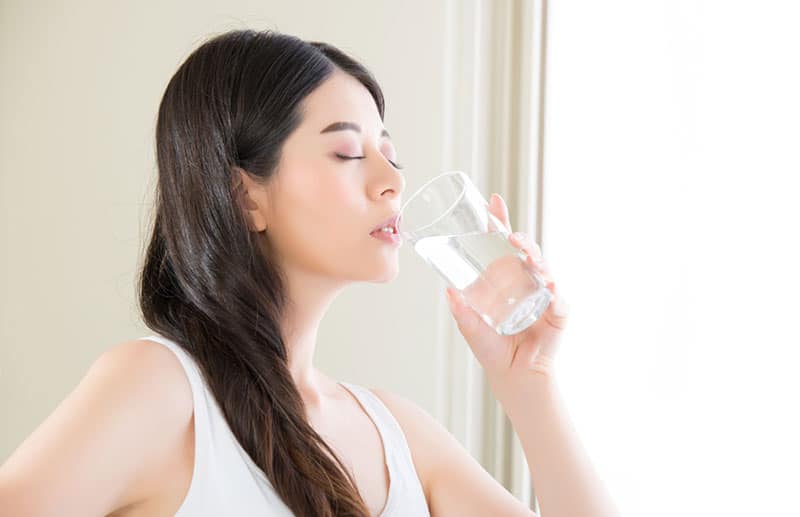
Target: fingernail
{"x":536,"y":261}
{"x":451,"y":301}
{"x":519,"y":236}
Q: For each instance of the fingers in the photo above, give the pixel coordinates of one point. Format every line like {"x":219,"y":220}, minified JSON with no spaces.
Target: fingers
{"x":499,"y":209}
{"x":535,"y":259}
{"x":557,"y":312}
{"x":466,"y":318}
{"x":526,"y":243}
{"x":558,"y":307}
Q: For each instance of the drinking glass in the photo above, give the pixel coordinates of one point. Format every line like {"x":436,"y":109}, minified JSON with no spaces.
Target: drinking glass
{"x":449,"y":224}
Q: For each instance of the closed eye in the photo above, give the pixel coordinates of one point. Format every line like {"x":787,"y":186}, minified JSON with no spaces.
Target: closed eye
{"x":343,"y":157}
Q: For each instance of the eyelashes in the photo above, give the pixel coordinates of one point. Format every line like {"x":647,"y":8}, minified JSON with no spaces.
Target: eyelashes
{"x":343,"y":157}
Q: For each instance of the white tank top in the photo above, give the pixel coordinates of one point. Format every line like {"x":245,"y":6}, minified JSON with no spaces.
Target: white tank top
{"x":225,"y":481}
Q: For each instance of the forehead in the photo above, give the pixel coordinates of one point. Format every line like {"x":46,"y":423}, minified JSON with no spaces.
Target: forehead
{"x":341,"y":97}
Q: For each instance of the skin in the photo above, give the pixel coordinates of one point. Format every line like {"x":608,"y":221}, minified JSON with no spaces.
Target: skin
{"x":320,"y":211}
{"x":128,"y":426}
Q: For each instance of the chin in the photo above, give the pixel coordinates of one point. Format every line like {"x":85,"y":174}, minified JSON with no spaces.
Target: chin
{"x":386,"y":280}
{"x":387,"y":274}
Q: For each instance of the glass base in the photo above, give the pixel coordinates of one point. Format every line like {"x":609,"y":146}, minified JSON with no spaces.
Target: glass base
{"x":528,"y":312}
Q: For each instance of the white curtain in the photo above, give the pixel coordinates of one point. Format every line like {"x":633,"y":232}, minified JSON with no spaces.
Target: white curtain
{"x":492,"y":132}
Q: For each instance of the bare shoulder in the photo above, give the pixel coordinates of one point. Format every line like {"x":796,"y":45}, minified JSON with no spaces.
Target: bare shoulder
{"x":454,"y":482}
{"x":148,"y":361}
{"x":148,"y":372}
{"x":119,"y":427}
{"x":401,"y":407}
{"x":422,"y":431}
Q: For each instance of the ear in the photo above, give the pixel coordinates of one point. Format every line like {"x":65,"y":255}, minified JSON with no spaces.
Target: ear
{"x":252,"y":196}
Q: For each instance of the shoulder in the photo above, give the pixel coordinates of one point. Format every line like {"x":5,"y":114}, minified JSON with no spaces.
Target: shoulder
{"x":148,"y":370}
{"x":142,"y":363}
{"x":146,"y":383}
{"x":151,"y":383}
{"x":408,"y":413}
{"x":454,"y":482}
{"x":424,"y":434}
{"x":119,"y":427}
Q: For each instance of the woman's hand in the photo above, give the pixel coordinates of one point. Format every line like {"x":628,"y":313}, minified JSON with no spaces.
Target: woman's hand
{"x":530,"y":352}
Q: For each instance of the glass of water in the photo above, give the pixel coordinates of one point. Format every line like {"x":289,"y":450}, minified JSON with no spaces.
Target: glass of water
{"x":449,"y":224}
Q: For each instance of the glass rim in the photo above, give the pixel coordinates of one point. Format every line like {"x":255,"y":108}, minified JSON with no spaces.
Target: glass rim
{"x":424,"y":187}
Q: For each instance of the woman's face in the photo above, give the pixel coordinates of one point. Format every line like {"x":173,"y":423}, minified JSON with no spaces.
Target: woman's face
{"x":322,"y":208}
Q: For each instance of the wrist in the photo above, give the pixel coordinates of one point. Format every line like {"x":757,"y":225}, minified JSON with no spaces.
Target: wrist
{"x":509,"y":389}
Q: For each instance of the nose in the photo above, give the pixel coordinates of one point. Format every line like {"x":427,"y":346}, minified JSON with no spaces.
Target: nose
{"x":389,"y":179}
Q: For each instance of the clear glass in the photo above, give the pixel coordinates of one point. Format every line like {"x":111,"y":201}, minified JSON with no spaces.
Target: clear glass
{"x":449,"y":224}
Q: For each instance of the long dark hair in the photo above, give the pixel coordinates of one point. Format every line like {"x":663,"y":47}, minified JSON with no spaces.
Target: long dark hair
{"x":214,"y":286}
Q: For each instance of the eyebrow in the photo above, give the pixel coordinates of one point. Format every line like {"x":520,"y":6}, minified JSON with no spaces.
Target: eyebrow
{"x":352,"y":126}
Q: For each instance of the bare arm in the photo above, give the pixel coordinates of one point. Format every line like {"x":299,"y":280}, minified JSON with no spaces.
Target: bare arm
{"x":520,"y":371}
{"x":96,"y":452}
{"x":565,"y":480}
{"x":455,"y":484}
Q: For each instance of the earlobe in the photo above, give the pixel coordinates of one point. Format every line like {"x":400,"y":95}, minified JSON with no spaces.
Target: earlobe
{"x":243,"y":188}
{"x":255,"y":219}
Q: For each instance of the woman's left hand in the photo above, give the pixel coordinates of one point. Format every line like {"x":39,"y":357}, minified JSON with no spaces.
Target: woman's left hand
{"x":530,"y":352}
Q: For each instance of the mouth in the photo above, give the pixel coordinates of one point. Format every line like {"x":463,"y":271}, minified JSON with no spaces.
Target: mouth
{"x":389,"y":226}
{"x":387,"y":231}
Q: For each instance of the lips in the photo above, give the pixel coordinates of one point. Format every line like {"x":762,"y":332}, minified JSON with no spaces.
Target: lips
{"x":391,"y":221}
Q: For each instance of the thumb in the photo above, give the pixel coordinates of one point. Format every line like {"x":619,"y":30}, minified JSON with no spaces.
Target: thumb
{"x":465,"y":316}
{"x":486,"y":344}
{"x":475,"y":330}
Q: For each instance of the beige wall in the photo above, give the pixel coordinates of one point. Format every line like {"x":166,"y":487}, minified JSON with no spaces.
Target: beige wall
{"x":78,"y":97}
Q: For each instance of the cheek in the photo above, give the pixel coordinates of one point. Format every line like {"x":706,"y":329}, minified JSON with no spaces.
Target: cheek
{"x":321,"y":220}
{"x":338,"y":212}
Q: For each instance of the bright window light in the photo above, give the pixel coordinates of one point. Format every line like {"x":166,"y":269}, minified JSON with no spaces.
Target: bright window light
{"x":671,"y":212}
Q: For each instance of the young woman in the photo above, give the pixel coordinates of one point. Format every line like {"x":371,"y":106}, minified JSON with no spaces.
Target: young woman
{"x":274,"y":170}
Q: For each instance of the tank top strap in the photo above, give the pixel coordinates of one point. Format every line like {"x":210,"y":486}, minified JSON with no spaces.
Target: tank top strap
{"x":225,"y":480}
{"x":405,"y":482}
{"x":193,"y":502}
{"x":382,"y":417}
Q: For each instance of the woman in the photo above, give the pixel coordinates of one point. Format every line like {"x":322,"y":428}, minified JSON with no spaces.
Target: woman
{"x":274,"y":169}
